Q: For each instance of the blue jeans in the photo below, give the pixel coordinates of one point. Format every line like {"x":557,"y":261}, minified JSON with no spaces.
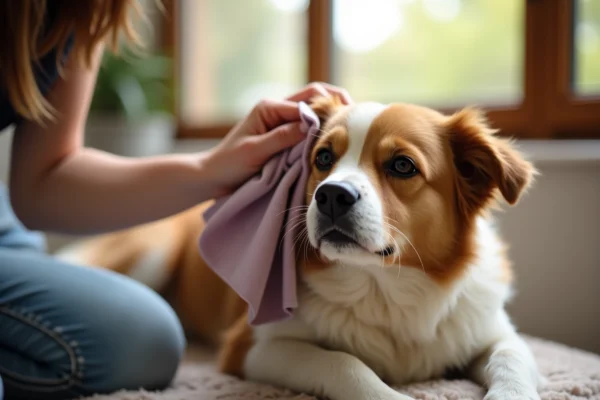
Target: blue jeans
{"x":68,"y":331}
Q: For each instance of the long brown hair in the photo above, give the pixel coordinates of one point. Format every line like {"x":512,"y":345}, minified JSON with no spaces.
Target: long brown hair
{"x":26,"y":38}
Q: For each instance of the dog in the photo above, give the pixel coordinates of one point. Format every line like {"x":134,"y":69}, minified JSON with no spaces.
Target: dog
{"x":402,"y":275}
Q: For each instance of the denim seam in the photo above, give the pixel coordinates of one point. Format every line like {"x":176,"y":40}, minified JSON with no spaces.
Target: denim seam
{"x":41,"y":385}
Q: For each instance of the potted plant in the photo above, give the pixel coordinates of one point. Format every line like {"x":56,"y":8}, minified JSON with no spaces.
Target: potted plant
{"x":131,"y":112}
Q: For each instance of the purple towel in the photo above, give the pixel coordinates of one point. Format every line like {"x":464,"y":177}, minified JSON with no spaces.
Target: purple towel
{"x":249,"y":236}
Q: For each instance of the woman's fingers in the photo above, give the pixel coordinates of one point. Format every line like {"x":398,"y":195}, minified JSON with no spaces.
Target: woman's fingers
{"x":269,"y":114}
{"x":283,"y":137}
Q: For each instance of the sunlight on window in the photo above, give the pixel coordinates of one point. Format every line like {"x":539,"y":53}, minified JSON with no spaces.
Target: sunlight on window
{"x":587,"y":47}
{"x":235,"y":53}
{"x":442,"y":10}
{"x":293,"y":6}
{"x":361,"y":26}
{"x":434,"y":52}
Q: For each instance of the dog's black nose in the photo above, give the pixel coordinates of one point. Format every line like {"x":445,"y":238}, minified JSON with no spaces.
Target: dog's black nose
{"x":334,"y":199}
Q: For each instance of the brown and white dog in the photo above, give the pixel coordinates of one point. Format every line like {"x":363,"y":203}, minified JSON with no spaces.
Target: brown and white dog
{"x":402,"y":276}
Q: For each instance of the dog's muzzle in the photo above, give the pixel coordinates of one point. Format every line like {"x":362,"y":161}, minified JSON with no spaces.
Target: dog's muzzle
{"x":335,"y":200}
{"x":337,"y":223}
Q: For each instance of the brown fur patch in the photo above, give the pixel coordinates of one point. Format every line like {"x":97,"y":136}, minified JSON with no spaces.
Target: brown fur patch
{"x":121,"y":251}
{"x":236,"y":344}
{"x":485,"y":163}
{"x":197,"y":289}
{"x":108,"y":253}
{"x":325,"y":106}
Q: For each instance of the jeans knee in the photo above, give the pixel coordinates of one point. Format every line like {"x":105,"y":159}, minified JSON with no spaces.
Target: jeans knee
{"x":149,"y":348}
{"x":162,"y":351}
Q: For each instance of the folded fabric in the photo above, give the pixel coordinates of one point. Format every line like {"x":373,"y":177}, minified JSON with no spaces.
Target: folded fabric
{"x":249,"y":236}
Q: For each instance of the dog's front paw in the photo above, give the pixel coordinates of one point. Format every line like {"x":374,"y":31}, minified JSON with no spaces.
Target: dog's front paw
{"x":511,"y":393}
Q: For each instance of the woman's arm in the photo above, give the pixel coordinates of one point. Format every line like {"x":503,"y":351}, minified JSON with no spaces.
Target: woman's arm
{"x":58,"y":185}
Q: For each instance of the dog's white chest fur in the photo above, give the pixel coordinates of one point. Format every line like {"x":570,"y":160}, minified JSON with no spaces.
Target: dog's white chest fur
{"x":399,"y":322}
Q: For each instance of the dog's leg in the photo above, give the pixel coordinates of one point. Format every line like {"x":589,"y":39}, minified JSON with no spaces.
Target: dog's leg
{"x":306,"y":368}
{"x":509,"y":371}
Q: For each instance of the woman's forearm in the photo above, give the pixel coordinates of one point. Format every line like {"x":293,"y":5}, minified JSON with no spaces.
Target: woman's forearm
{"x":91,"y":192}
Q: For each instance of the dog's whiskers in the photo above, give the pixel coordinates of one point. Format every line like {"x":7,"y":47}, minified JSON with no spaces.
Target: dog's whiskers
{"x":407,"y":240}
{"x":294,"y":220}
{"x":293,"y":208}
{"x":300,"y":236}
{"x":305,"y":243}
{"x":297,"y":221}
{"x":296,"y":224}
{"x":396,"y":253}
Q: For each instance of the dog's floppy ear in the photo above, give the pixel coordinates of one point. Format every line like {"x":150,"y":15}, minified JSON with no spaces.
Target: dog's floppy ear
{"x":484,"y":162}
{"x":325,"y":106}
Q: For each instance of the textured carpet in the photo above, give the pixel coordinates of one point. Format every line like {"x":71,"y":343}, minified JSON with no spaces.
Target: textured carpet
{"x":572,"y":374}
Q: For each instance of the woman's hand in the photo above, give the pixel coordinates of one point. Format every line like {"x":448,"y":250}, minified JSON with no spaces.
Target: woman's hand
{"x":271,"y":127}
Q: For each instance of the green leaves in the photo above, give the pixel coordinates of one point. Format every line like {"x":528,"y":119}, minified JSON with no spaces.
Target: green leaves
{"x":133,"y":86}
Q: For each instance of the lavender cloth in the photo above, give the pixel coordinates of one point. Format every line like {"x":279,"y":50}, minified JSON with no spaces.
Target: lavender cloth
{"x":244,"y":241}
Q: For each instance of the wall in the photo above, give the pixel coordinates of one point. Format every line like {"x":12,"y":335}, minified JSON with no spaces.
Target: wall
{"x":554,"y":234}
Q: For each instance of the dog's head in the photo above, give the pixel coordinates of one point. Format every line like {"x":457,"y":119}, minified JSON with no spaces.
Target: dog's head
{"x":403,"y":183}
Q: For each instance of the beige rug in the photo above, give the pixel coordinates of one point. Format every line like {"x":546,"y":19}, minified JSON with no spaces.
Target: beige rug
{"x":572,"y":374}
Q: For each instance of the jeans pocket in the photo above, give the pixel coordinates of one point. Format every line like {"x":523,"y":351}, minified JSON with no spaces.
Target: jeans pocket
{"x":35,"y":356}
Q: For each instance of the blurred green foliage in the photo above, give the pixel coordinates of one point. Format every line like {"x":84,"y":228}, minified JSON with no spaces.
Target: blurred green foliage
{"x":133,"y":86}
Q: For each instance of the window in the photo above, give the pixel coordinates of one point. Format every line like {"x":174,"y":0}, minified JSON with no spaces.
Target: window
{"x":587,"y":47}
{"x":429,"y":52}
{"x":534,"y":65}
{"x":233,"y":52}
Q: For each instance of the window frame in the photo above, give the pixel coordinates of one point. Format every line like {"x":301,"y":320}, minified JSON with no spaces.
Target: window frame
{"x":549,"y":109}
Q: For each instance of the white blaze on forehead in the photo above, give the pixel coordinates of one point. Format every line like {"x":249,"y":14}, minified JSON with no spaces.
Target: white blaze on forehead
{"x":359,"y":121}
{"x":366,"y":215}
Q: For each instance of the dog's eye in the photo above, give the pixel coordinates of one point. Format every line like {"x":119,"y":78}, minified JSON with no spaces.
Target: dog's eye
{"x":402,"y":167}
{"x":324,"y":160}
